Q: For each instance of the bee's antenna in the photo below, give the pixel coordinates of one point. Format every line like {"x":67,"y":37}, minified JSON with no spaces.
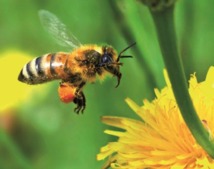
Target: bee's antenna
{"x":120,"y":55}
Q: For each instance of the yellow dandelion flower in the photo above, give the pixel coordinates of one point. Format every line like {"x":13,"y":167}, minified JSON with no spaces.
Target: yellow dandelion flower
{"x":161,"y":140}
{"x":12,"y":91}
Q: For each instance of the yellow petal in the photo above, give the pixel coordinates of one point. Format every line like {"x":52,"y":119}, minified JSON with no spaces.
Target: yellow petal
{"x":161,"y":138}
{"x":12,"y":91}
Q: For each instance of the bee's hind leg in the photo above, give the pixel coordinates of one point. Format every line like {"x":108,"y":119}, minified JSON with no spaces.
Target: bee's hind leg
{"x":80,"y":101}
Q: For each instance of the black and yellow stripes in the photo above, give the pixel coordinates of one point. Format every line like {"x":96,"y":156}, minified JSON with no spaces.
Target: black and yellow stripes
{"x":53,"y":65}
{"x":39,"y":70}
{"x":43,"y":69}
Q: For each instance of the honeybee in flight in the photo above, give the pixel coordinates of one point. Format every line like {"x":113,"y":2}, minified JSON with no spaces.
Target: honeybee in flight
{"x":74,"y":69}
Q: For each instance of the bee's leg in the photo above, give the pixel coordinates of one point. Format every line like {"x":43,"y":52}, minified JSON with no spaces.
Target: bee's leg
{"x":80,"y":101}
{"x":80,"y":98}
{"x":99,"y":70}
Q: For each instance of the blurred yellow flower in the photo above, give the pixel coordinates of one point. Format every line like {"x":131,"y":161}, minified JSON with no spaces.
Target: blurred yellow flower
{"x":161,"y":140}
{"x":11,"y":90}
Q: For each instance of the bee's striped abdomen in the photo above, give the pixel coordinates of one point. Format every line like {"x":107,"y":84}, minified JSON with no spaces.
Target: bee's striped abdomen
{"x":43,"y":69}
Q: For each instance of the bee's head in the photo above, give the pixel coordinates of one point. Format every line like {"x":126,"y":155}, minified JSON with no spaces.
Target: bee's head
{"x":110,"y":61}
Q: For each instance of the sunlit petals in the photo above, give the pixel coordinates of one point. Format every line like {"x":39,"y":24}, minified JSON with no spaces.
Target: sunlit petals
{"x":12,"y":91}
{"x":161,"y":139}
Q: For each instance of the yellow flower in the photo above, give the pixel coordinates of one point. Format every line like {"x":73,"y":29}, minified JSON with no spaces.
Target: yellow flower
{"x":12,"y":91}
{"x":161,"y":140}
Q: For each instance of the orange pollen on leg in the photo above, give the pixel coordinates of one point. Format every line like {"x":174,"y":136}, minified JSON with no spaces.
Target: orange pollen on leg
{"x":66,"y":92}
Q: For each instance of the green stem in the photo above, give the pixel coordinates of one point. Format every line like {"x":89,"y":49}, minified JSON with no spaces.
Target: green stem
{"x":164,"y":22}
{"x":7,"y":142}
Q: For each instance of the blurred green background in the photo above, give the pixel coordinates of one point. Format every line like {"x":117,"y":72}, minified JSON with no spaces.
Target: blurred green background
{"x":45,"y":133}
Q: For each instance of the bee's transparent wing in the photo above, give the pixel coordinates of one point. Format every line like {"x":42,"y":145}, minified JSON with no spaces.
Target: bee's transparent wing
{"x":58,"y":30}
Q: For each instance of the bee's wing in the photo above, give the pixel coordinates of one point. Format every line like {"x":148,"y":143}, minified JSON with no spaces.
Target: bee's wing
{"x":58,"y":30}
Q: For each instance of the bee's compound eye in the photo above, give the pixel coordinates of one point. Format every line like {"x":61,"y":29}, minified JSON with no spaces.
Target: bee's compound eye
{"x":106,"y":58}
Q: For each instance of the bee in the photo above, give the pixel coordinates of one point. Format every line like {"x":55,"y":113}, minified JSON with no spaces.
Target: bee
{"x":74,"y":69}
